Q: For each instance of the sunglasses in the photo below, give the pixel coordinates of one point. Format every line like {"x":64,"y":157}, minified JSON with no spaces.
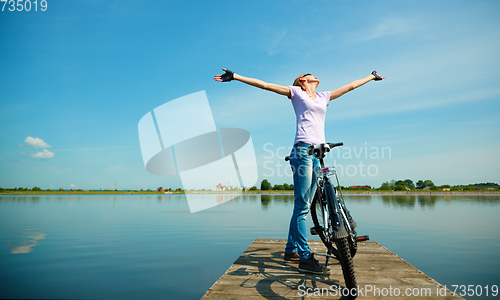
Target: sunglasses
{"x":305,"y":75}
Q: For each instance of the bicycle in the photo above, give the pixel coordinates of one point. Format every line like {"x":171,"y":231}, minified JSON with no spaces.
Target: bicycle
{"x":331,"y":218}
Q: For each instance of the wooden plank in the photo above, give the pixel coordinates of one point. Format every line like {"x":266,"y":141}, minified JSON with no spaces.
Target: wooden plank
{"x":261,"y":273}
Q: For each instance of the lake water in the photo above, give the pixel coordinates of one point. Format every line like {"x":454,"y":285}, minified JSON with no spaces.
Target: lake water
{"x":152,"y":247}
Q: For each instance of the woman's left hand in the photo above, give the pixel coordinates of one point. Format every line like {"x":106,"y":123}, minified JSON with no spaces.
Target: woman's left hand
{"x":228,"y":76}
{"x":377,"y":77}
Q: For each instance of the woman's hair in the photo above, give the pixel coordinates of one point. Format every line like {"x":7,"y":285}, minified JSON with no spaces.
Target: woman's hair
{"x":297,"y":82}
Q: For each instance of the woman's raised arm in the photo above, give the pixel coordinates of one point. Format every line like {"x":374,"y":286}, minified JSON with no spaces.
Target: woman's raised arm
{"x":353,"y":85}
{"x":229,"y":75}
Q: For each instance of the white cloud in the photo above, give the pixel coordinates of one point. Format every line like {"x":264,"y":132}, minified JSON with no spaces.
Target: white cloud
{"x":44,"y":154}
{"x":72,"y":185}
{"x":35,"y":143}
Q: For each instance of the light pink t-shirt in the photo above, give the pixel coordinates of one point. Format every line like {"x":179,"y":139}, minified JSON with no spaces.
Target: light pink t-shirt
{"x":310,"y":115}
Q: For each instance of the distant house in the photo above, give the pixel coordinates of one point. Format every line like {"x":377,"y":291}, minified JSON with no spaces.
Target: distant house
{"x":427,"y":188}
{"x":220,"y":187}
{"x":446,"y":189}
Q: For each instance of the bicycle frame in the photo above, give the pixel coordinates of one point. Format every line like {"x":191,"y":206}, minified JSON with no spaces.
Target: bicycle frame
{"x":337,"y":222}
{"x":339,"y":225}
{"x":338,"y":199}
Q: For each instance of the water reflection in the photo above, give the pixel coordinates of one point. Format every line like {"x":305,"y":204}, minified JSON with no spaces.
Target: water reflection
{"x":29,"y":240}
{"x":403,"y":201}
{"x":410,"y":201}
{"x":429,"y":201}
{"x":266,"y":200}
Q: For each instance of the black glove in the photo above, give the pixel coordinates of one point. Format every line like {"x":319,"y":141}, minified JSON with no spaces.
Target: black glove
{"x":228,"y":76}
{"x":377,"y":78}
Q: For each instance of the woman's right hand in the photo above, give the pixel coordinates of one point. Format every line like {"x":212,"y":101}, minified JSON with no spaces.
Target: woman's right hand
{"x":226,"y":77}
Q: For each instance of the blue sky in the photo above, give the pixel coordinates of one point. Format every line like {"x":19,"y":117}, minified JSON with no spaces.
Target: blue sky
{"x":80,"y":75}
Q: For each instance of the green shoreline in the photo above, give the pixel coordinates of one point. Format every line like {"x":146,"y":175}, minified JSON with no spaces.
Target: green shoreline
{"x":29,"y":193}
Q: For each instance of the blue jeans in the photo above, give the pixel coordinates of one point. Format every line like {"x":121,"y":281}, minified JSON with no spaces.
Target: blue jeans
{"x":304,"y":187}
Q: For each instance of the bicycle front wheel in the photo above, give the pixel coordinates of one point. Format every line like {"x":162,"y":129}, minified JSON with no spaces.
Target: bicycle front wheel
{"x":347,"y":265}
{"x":320,"y":217}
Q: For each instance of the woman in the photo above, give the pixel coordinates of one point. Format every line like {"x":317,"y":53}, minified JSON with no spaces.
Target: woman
{"x":310,"y":109}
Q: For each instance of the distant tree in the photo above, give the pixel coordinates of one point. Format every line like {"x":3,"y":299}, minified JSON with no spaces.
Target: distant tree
{"x":278,"y":187}
{"x":409,"y":183}
{"x":423,"y":184}
{"x":265,"y":185}
{"x":420,"y":184}
{"x":485,"y":186}
{"x":429,"y":183}
{"x":253,"y":188}
{"x":400,"y":187}
{"x":159,"y":189}
{"x":385,"y":186}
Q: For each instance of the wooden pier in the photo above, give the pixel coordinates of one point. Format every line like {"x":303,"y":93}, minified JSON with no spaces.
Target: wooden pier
{"x":261,"y":273}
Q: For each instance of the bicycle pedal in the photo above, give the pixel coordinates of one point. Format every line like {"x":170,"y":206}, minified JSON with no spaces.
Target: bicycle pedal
{"x":315,"y":230}
{"x":363,"y":238}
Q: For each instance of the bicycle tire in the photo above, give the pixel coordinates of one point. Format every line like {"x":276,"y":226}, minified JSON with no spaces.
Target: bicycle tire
{"x":353,"y":237}
{"x":317,"y":215}
{"x":338,"y":222}
{"x":347,"y":265}
{"x":353,"y":243}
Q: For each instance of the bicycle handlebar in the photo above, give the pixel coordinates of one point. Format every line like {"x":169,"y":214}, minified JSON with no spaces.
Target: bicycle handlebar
{"x":320,"y":149}
{"x":333,"y":145}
